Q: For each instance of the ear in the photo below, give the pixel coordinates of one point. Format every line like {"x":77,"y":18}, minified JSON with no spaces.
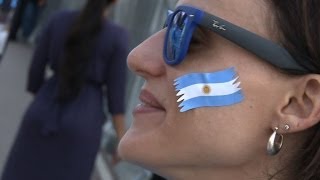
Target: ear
{"x":302,"y":108}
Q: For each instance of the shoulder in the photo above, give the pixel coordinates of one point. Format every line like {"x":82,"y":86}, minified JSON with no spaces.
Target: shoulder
{"x":63,"y":16}
{"x":115,"y":33}
{"x":57,"y":24}
{"x":116,"y":29}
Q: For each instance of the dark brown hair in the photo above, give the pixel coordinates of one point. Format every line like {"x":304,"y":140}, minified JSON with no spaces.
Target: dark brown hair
{"x":298,"y":23}
{"x":78,"y":48}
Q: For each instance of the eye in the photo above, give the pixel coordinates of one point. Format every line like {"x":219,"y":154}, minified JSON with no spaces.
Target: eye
{"x":198,"y":38}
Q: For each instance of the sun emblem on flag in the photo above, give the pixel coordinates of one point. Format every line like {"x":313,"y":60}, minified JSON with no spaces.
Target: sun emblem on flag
{"x":206,"y":89}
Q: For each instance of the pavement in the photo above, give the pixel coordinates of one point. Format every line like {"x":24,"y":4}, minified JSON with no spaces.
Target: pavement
{"x":13,"y":97}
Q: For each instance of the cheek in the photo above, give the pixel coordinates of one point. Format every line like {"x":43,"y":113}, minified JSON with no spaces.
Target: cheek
{"x":224,"y":135}
{"x":219,"y":136}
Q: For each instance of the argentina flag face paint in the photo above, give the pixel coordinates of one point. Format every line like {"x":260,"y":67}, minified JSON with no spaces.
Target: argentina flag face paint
{"x":208,"y":89}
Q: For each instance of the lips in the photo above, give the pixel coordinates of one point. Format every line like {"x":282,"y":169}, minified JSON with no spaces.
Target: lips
{"x":148,"y":100}
{"x":149,"y":114}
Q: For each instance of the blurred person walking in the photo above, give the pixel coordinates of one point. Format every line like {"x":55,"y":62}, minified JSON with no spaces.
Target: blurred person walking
{"x":7,"y":5}
{"x":61,"y":130}
{"x":26,"y":17}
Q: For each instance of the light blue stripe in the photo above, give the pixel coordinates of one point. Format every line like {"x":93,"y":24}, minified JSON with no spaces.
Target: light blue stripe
{"x":211,"y":101}
{"x":196,"y":78}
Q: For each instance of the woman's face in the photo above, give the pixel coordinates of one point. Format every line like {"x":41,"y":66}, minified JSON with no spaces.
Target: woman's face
{"x":171,"y":142}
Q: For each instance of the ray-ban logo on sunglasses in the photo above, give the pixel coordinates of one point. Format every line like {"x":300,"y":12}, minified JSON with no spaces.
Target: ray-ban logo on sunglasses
{"x":216,"y":24}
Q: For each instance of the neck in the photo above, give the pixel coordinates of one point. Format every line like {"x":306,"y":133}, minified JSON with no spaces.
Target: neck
{"x":261,"y":170}
{"x":219,"y":174}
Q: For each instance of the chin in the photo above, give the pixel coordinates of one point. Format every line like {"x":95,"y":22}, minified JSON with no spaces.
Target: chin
{"x":140,"y":154}
{"x":151,"y":155}
{"x":144,"y":156}
{"x":132,"y":147}
{"x":142,"y":150}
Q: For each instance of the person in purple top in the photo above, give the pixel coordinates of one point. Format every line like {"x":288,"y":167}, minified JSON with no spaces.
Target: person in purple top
{"x":60,"y":133}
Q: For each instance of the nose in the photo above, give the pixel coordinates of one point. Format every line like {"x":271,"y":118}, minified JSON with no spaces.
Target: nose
{"x":146,"y":60}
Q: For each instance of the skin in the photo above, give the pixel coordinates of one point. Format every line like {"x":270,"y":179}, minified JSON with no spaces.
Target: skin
{"x":218,"y":142}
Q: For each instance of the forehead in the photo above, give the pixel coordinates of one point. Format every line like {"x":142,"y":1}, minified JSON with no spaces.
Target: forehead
{"x":253,"y":15}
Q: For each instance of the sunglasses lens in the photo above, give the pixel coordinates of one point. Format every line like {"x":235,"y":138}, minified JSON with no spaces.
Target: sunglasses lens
{"x":175,"y":37}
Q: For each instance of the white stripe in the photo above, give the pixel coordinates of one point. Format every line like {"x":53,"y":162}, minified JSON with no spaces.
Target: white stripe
{"x":216,"y":89}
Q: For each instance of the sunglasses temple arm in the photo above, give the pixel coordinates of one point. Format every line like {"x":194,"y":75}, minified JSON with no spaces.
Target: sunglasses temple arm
{"x":261,"y":47}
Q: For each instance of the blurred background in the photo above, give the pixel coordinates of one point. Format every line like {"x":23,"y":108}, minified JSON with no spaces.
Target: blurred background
{"x":141,"y":18}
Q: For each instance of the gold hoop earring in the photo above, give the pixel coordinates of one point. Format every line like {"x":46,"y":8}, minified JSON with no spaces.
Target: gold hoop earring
{"x":275,"y":142}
